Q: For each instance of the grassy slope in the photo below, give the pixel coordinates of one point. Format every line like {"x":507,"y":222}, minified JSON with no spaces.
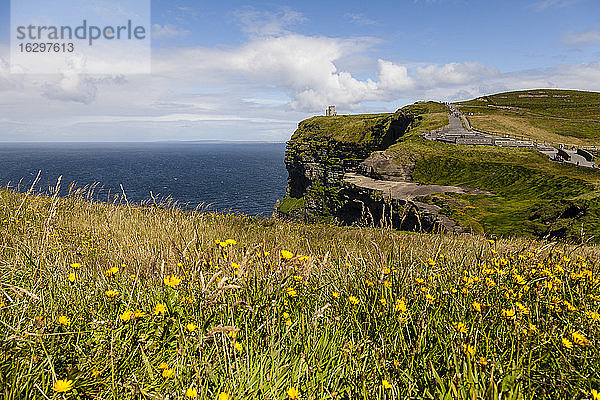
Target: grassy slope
{"x":342,"y":128}
{"x":325,"y":346}
{"x":530,"y":192}
{"x":553,"y":116}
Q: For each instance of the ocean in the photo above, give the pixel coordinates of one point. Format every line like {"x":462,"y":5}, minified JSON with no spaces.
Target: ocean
{"x":238,"y":177}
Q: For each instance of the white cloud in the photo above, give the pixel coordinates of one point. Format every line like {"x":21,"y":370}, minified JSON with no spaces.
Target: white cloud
{"x":359,"y":19}
{"x":585,"y":38}
{"x":453,"y":74}
{"x":267,"y":23}
{"x":167,"y":31}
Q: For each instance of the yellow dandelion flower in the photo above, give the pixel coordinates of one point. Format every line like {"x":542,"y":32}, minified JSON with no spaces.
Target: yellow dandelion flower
{"x":111,"y":293}
{"x":62,"y":385}
{"x":191,"y":393}
{"x":482,"y":360}
{"x":139,"y":314}
{"x":567,"y":343}
{"x":400,"y":306}
{"x":230,"y":242}
{"x":468,"y":349}
{"x":168,"y":373}
{"x":172,"y":281}
{"x":64,"y":320}
{"x":223,"y":396}
{"x":293,"y":393}
{"x":460,"y":327}
{"x":126,"y":316}
{"x":476,"y":306}
{"x":291,"y":292}
{"x":383,"y":301}
{"x":353,"y":300}
{"x":191,"y":327}
{"x":335,"y":295}
{"x":595,"y":394}
{"x":96,"y":372}
{"x":238,"y":346}
{"x":111,"y":271}
{"x":163,"y":365}
{"x":71,"y":277}
{"x":160,"y":308}
{"x":430,"y":298}
{"x":594,"y":316}
{"x":386,"y":384}
{"x":579,"y":339}
{"x":508,"y":314}
{"x":286,"y":255}
{"x":75,"y":265}
{"x":288,"y":322}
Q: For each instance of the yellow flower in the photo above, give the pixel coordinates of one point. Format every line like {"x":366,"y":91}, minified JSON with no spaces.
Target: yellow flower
{"x":293,"y":393}
{"x":223,"y":396}
{"x":286,"y":315}
{"x":386,"y":385}
{"x":138,"y":314}
{"x":468,"y":349}
{"x":64,"y":320}
{"x":111,"y":293}
{"x":383,"y":301}
{"x":286,"y":255}
{"x":288,"y":322}
{"x":476,"y":306}
{"x":400,"y":306}
{"x":387,"y":284}
{"x":460,"y":327}
{"x":595,"y":394}
{"x":430,"y":298}
{"x":191,"y":393}
{"x":62,"y":385}
{"x":160,"y":308}
{"x":482,"y":360}
{"x":163,"y":365}
{"x":126,"y":316}
{"x":567,"y":343}
{"x":75,"y":265}
{"x":96,"y":372}
{"x":579,"y":339}
{"x":237,"y":346}
{"x":230,"y":242}
{"x":71,"y":277}
{"x":172,"y":281}
{"x":191,"y":327}
{"x":353,"y":300}
{"x":168,"y":373}
{"x":111,"y":271}
{"x":594,"y":315}
{"x":508,"y":314}
{"x":335,"y":295}
{"x":291,"y":292}
{"x":430,"y":262}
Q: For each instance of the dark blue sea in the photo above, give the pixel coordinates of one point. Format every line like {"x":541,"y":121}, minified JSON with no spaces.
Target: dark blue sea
{"x":239,"y":177}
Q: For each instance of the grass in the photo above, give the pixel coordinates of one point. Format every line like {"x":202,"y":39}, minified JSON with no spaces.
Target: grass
{"x":544,"y":115}
{"x":343,"y":128}
{"x":531,"y":194}
{"x":242,"y":308}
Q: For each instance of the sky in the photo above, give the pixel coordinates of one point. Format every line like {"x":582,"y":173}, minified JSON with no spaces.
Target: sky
{"x":238,"y":70}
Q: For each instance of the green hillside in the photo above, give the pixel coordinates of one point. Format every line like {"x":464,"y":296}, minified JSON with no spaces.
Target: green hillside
{"x":546,"y":115}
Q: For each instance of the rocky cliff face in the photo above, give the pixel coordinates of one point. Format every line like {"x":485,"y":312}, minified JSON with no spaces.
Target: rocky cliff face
{"x":324,"y":150}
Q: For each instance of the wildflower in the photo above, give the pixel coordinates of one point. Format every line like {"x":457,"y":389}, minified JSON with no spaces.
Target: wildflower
{"x":532,"y":327}
{"x":286,"y":315}
{"x":64,"y":320}
{"x":111,"y":293}
{"x":160,"y":308}
{"x":335,"y":295}
{"x":191,"y":327}
{"x":168,"y":373}
{"x":468,"y":349}
{"x":353,"y":300}
{"x":387,"y":284}
{"x":138,"y":314}
{"x":482,"y":360}
{"x":293,"y":393}
{"x":223,"y":396}
{"x":75,"y":265}
{"x":430,"y":262}
{"x":291,"y":292}
{"x":172,"y":281}
{"x":111,"y":271}
{"x":96,"y":372}
{"x":286,"y":255}
{"x":238,"y":346}
{"x":460,"y":327}
{"x":430,"y":298}
{"x":386,"y":385}
{"x":191,"y":393}
{"x":230,"y":242}
{"x":476,"y":306}
{"x":594,"y":315}
{"x":522,"y":308}
{"x":579,"y":339}
{"x":163,"y":366}
{"x":288,"y":322}
{"x":567,"y":343}
{"x":62,"y":385}
{"x":71,"y":277}
{"x":126,"y":316}
{"x":400,"y":306}
{"x":508,"y":314}
{"x":383,"y":301}
{"x":595,"y":394}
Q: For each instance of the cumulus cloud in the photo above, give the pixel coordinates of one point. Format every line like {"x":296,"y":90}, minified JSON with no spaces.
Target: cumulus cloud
{"x":73,"y":87}
{"x":453,"y":74}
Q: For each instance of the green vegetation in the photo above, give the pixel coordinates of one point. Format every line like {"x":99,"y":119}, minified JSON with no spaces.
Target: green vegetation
{"x":357,"y":129}
{"x":553,"y":116}
{"x":289,"y":204}
{"x":127,"y":302}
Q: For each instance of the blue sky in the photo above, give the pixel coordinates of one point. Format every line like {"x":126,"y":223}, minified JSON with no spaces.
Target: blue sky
{"x":238,"y":70}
